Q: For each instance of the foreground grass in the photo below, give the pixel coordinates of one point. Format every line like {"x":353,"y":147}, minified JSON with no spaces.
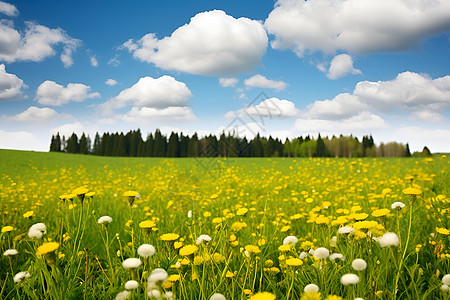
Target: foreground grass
{"x":247,"y":206}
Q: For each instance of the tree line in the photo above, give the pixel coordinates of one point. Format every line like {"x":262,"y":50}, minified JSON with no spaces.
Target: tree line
{"x":226,"y":145}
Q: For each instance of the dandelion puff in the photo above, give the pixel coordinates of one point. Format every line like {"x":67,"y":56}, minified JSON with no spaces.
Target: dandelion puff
{"x":217,"y":296}
{"x":311,"y":251}
{"x":131,"y":263}
{"x":123,"y":295}
{"x":154,"y":294}
{"x":158,"y":276}
{"x":333,"y":241}
{"x":39,"y":226}
{"x":34,"y":234}
{"x":131,"y":285}
{"x":388,"y":239}
{"x":446,"y":279}
{"x":146,"y":250}
{"x":189,"y":214}
{"x":311,"y":288}
{"x":359,"y":264}
{"x":105,"y":220}
{"x":168,"y":295}
{"x":321,"y":252}
{"x":290,"y":240}
{"x":20,"y":276}
{"x":303,"y":255}
{"x":10,"y":252}
{"x":349,"y":279}
{"x":203,"y":238}
{"x":335,"y":256}
{"x":444,"y":288}
{"x":397,"y":205}
{"x":345,"y":230}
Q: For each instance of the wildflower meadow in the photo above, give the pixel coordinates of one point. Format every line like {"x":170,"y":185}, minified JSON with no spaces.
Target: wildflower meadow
{"x":85,"y":227}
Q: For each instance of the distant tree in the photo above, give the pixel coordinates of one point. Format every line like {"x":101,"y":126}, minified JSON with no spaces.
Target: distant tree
{"x":96,"y":146}
{"x":173,"y":147}
{"x":426,"y":151}
{"x":407,"y":151}
{"x":83,"y":146}
{"x":72,"y":144}
{"x":193,"y":146}
{"x":321,"y":149}
{"x":159,"y":148}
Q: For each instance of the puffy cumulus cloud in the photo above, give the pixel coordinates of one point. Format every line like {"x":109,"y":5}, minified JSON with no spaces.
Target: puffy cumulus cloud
{"x":342,"y":106}
{"x":427,"y":116}
{"x":262,"y":82}
{"x":111,"y":82}
{"x":10,"y":85}
{"x":341,"y":65}
{"x":35,"y":44}
{"x":76,"y":127}
{"x":152,"y":115}
{"x":356,"y":26}
{"x":22,"y":140}
{"x":149,"y":92}
{"x":51,"y":93}
{"x":228,"y":81}
{"x":213,"y":43}
{"x":8,"y":9}
{"x":357,"y":124}
{"x":269,"y":108}
{"x":93,"y":60}
{"x":35,"y":115}
{"x":408,"y":90}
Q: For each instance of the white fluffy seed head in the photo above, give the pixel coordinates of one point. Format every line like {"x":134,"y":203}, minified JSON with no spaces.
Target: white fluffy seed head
{"x":20,"y":276}
{"x":446,"y":279}
{"x":444,"y":288}
{"x":105,"y":220}
{"x":146,"y":250}
{"x":131,"y":263}
{"x":333,"y":241}
{"x":131,"y":285}
{"x":217,"y":296}
{"x":168,"y":295}
{"x":10,"y":252}
{"x":39,"y":226}
{"x":158,"y":276}
{"x":34,"y":234}
{"x":311,"y":288}
{"x":349,"y":279}
{"x":302,"y":255}
{"x":335,"y":256}
{"x":154,"y":294}
{"x":290,"y":240}
{"x":321,"y":252}
{"x":203,"y":238}
{"x":397,"y":205}
{"x":345,"y":230}
{"x":359,"y":264}
{"x":123,"y":295}
{"x":388,"y":239}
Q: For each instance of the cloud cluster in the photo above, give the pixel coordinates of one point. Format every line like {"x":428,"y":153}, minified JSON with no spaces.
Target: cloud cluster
{"x":35,"y":44}
{"x":228,"y":81}
{"x":51,"y":93}
{"x":269,"y":108}
{"x":341,"y":65}
{"x":35,"y":115}
{"x":355,"y":26}
{"x":262,"y":82}
{"x":213,"y":43}
{"x":10,"y":85}
{"x":8,"y":9}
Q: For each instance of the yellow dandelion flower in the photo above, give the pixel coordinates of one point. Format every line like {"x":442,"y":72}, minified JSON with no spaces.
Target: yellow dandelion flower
{"x":7,"y":229}
{"x":285,"y":228}
{"x":294,"y":262}
{"x":169,"y":237}
{"x":380,"y":212}
{"x":284,"y":248}
{"x":207,"y":214}
{"x":47,"y":248}
{"x":268,"y":263}
{"x":130,"y":194}
{"x":252,"y":249}
{"x":412,"y":191}
{"x":28,"y":214}
{"x":242,"y":211}
{"x":188,"y":250}
{"x":177,"y":245}
{"x":90,"y":194}
{"x":238,"y":226}
{"x":229,"y":274}
{"x":333,"y":297}
{"x":310,"y":296}
{"x":80,"y":191}
{"x":322,"y":220}
{"x":443,"y":231}
{"x":174,"y":277}
{"x":217,"y":220}
{"x":147,"y":224}
{"x":263,"y":296}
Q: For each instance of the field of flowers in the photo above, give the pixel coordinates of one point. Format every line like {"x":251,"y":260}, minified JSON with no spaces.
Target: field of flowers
{"x":84,"y":227}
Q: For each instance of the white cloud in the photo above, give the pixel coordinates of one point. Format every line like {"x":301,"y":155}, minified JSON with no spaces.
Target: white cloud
{"x":152,"y":115}
{"x":8,"y":9}
{"x":269,"y":108}
{"x":437,"y":140}
{"x":35,"y":44}
{"x":51,"y":93}
{"x":362,"y":123}
{"x":228,"y":82}
{"x":262,"y":82}
{"x":77,"y":127}
{"x":238,"y":129}
{"x":342,"y":65}
{"x":342,"y":106}
{"x":356,"y":26}
{"x":114,"y":61}
{"x":408,"y":90}
{"x":427,"y":116}
{"x":111,"y":82}
{"x":21,"y":140}
{"x":93,"y":60}
{"x":10,"y":85}
{"x":35,"y":115}
{"x":213,"y":43}
{"x":159,"y":93}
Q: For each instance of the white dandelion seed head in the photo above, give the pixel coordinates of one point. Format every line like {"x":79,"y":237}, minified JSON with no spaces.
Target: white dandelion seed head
{"x":359,"y":264}
{"x":203,"y":238}
{"x":444,"y":288}
{"x":10,"y":252}
{"x":397,"y":205}
{"x":311,"y":288}
{"x":132,"y":263}
{"x":105,"y":220}
{"x":20,"y":276}
{"x":154,"y":294}
{"x":158,"y":276}
{"x":311,"y":251}
{"x":359,"y":298}
{"x":302,"y":255}
{"x":123,"y":295}
{"x":146,"y":250}
{"x":189,"y":215}
{"x":388,"y":239}
{"x":446,"y":279}
{"x":217,"y":296}
{"x":247,"y":254}
{"x":34,"y":234}
{"x":432,"y":234}
{"x":177,"y":265}
{"x":321,"y":252}
{"x":168,"y":295}
{"x":349,"y":279}
{"x":39,"y":226}
{"x":345,"y":230}
{"x":335,"y":256}
{"x":131,"y":285}
{"x":290,"y":240}
{"x":333,"y":241}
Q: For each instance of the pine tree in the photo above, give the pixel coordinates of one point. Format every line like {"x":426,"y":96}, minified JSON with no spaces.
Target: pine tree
{"x":321,"y":149}
{"x":83,"y":146}
{"x":159,"y":149}
{"x":72,"y":144}
{"x":173,"y":146}
{"x":96,"y":146}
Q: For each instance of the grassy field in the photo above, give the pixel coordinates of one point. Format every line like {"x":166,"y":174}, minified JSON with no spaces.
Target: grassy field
{"x":255,"y":228}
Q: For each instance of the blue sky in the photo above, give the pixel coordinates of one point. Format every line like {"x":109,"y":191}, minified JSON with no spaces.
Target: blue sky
{"x":285,"y":68}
